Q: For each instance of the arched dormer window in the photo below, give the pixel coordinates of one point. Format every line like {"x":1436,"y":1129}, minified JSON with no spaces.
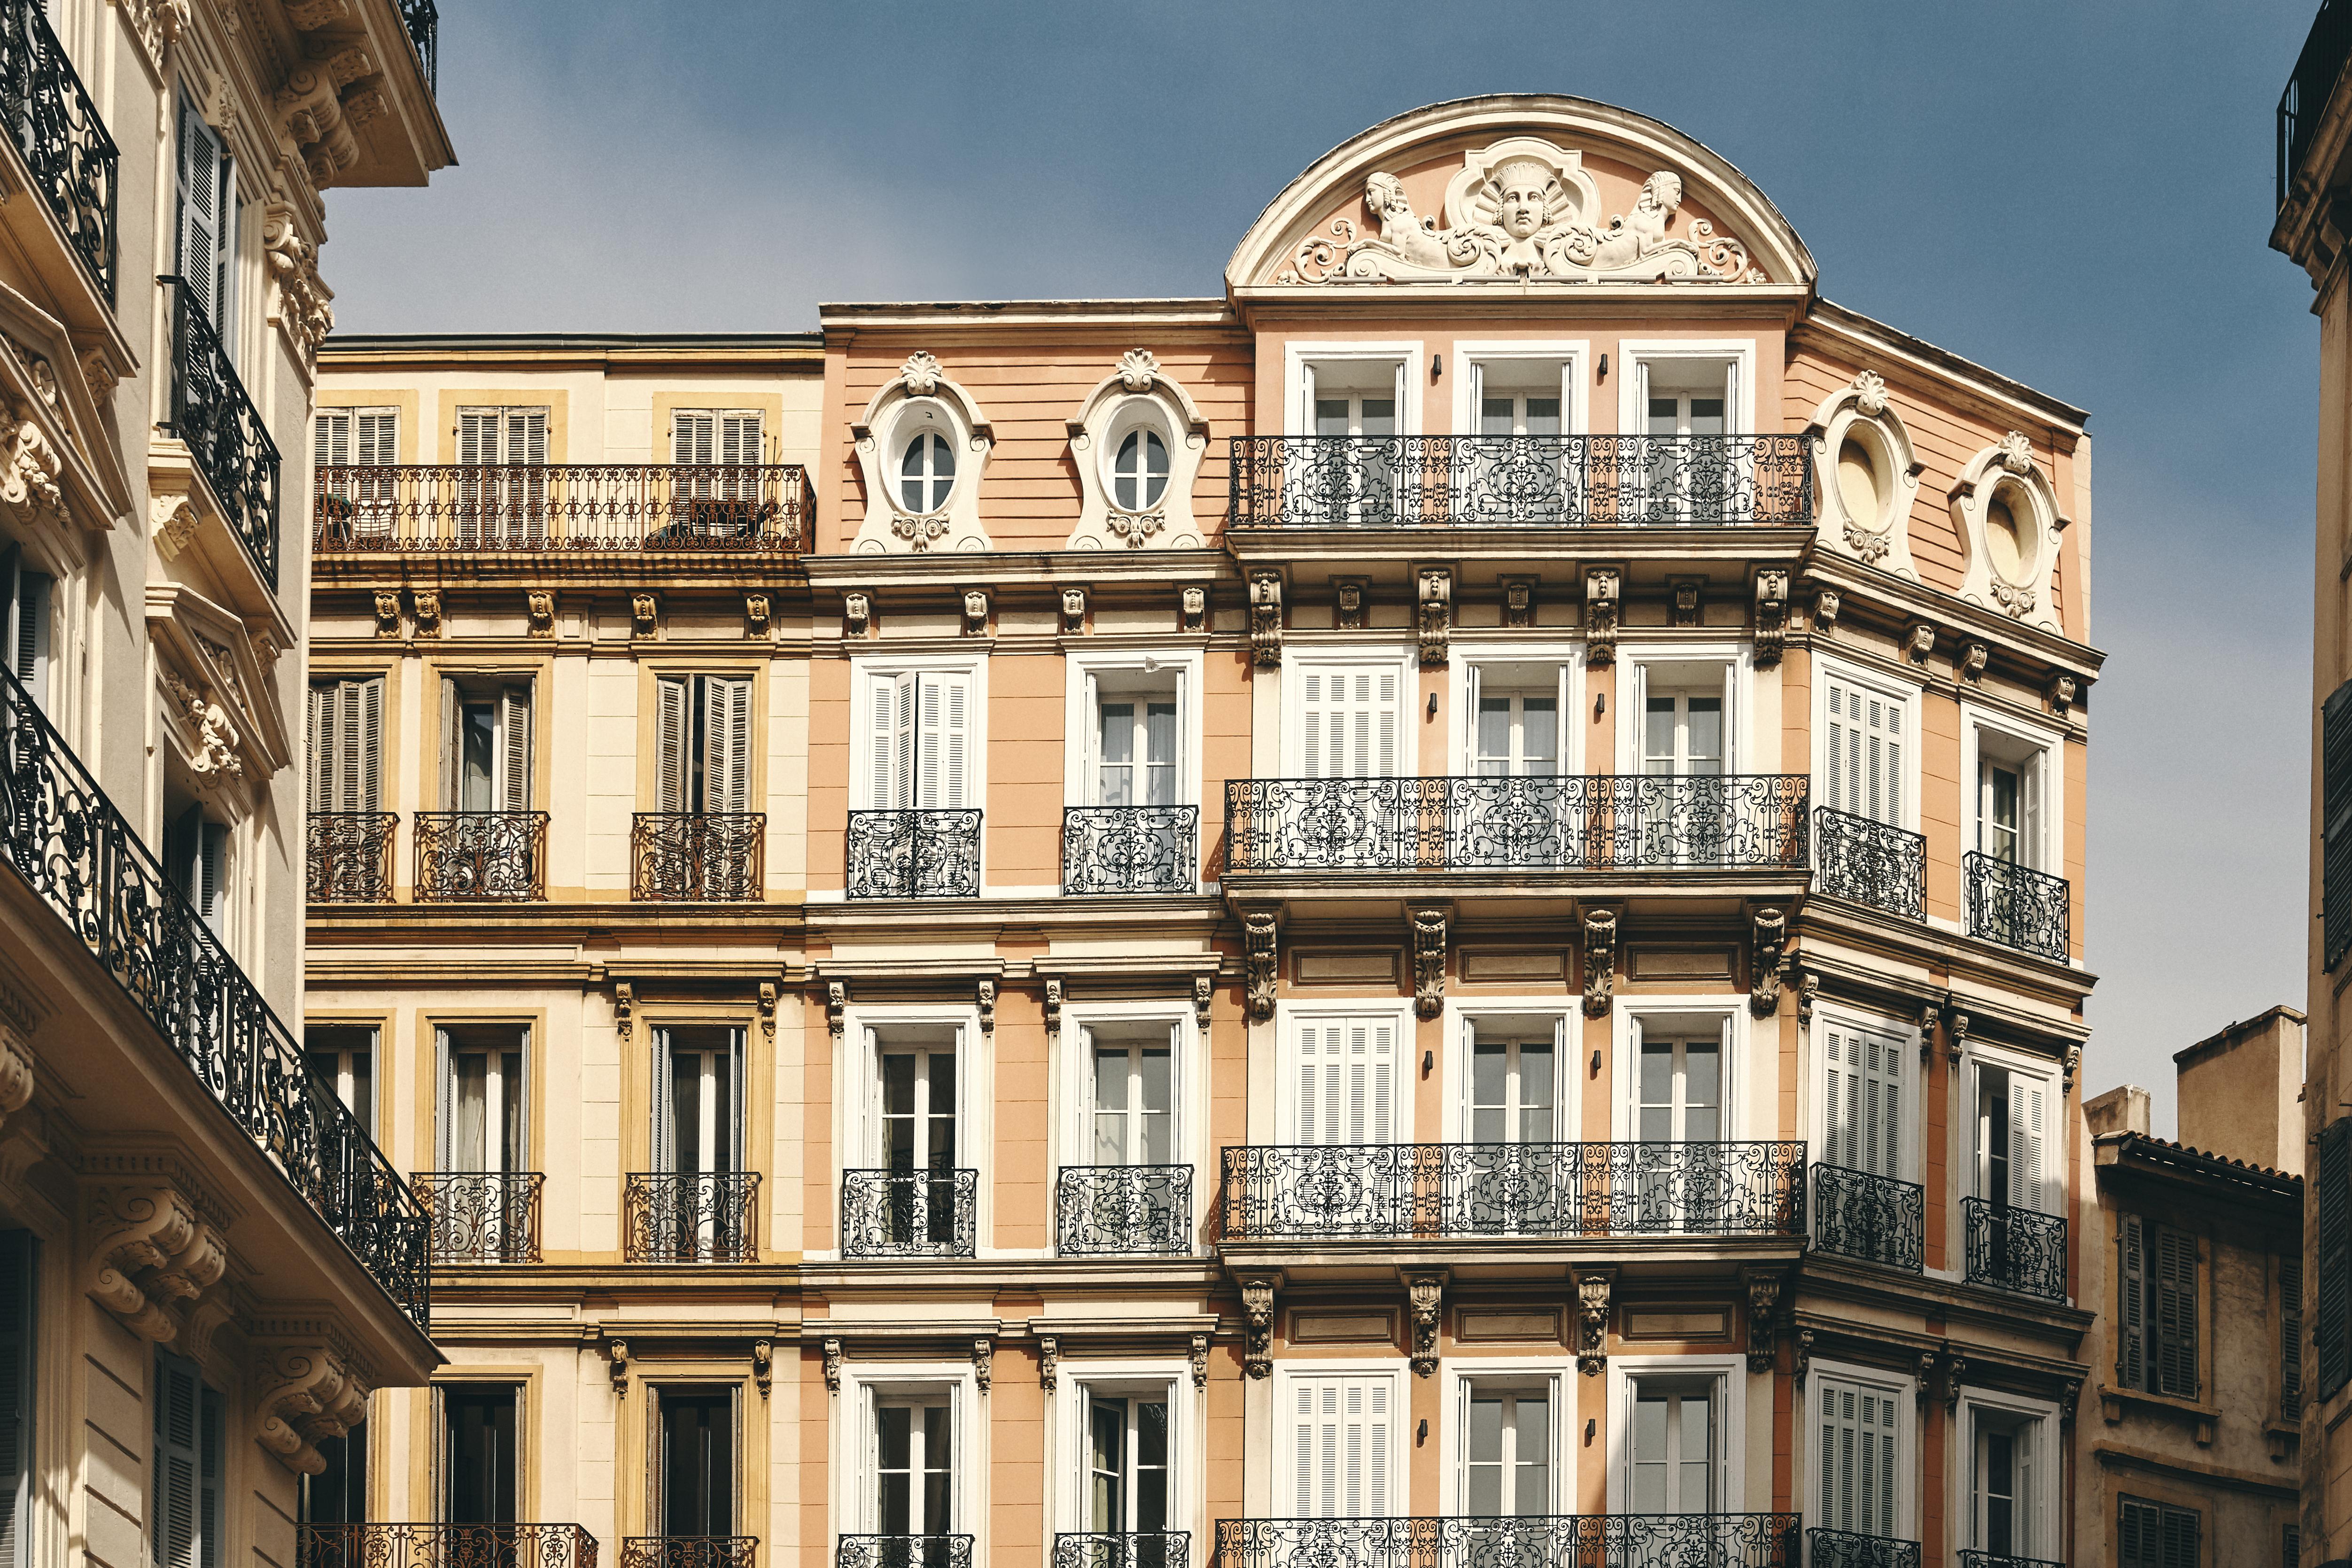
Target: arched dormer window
{"x":1136,"y":444}
{"x":1867,"y":476}
{"x":922,"y":448}
{"x":2006,"y":513}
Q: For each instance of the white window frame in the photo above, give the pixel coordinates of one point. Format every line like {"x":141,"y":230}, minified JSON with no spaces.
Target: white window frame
{"x":1070,"y":1131}
{"x":1464,"y":674}
{"x":1289,"y":1015}
{"x":1962,"y":1456}
{"x":1635,"y":354}
{"x":1401,"y":1418}
{"x":1902,"y":693}
{"x":1470,"y":354}
{"x":1907,"y":1149}
{"x":1069,"y":1451}
{"x":2049,"y":841}
{"x":862,"y":674}
{"x":1298,"y":354}
{"x":2055,"y":1150}
{"x":1905,"y":1390}
{"x":1462,"y":1377}
{"x":1078,"y":721}
{"x":1730,"y":1370}
{"x":1458,"y":1019}
{"x":1682,"y":1015}
{"x":1633,"y":690}
{"x":858,"y":1112}
{"x":857,"y":1502}
{"x":1326,"y":656}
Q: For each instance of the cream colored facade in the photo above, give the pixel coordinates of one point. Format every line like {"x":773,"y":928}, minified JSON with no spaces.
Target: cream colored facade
{"x":1483,"y":833}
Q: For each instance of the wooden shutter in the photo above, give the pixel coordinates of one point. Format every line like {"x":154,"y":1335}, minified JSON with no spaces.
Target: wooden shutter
{"x":172,"y":1527}
{"x":1340,"y":1442}
{"x":347,"y":745}
{"x":527,"y":436}
{"x":1863,"y":1107}
{"x":892,"y":724}
{"x":690,"y":438}
{"x":665,"y":1129}
{"x":739,"y":438}
{"x":376,"y":441}
{"x":201,"y":202}
{"x":2180,"y":1538}
{"x":514,"y":748}
{"x":2028,"y":1100}
{"x":477,"y":436}
{"x":1865,"y":753}
{"x":208,"y":1477}
{"x":331,"y":437}
{"x":2330,"y":1192}
{"x":16,"y":1364}
{"x":212,"y":874}
{"x":2131,"y":1301}
{"x":943,"y":728}
{"x":2291,"y":1337}
{"x":2139,"y":1529}
{"x":1347,"y":1081}
{"x":2175,"y":1312}
{"x":453,"y":720}
{"x":1857,"y":1457}
{"x":2336,"y":823}
{"x":669,"y":744}
{"x":1347,"y":723}
{"x":727,"y":744}
{"x":28,"y":649}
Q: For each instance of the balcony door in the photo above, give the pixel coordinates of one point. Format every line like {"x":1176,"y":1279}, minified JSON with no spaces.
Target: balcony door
{"x":703,"y":744}
{"x":481,"y":1099}
{"x":1857,"y":1426}
{"x":1348,"y":1175}
{"x":1514,"y":811}
{"x":486,"y":746}
{"x":2005,"y":1481}
{"x":1351,"y":468}
{"x":505,"y":505}
{"x":695,"y":1462}
{"x":1342,"y":1447}
{"x":722,"y":503}
{"x":2012,"y":1123}
{"x":1863,"y":754}
{"x":1134,"y":738}
{"x":1687,"y":410}
{"x":1674,"y":1452}
{"x":478,"y":1453}
{"x":342,"y":1059}
{"x":914,"y":1455}
{"x":1134,"y":1098}
{"x":1681,"y":814}
{"x":356,"y":507}
{"x":1348,"y":720}
{"x":1861,"y":1101}
{"x":697,"y":1099}
{"x":1514,"y":1175}
{"x":919,"y":1082}
{"x":346,"y":735}
{"x":919,"y":745}
{"x":1679,"y":1173}
{"x":1127,"y":1473}
{"x":1507,"y":1448}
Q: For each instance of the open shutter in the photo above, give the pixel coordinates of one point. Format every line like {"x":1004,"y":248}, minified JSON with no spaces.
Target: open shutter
{"x":2332,"y":1198}
{"x":212,"y":874}
{"x":891,"y":726}
{"x":2131,"y":1316}
{"x":16,"y":1364}
{"x":727,"y":744}
{"x":514,"y":748}
{"x":445,"y":1106}
{"x":453,"y":718}
{"x":2336,"y":823}
{"x":2028,"y":1182}
{"x":669,"y":744}
{"x":1090,"y":744}
{"x":2175,"y":1312}
{"x":208,"y":1478}
{"x":200,"y":202}
{"x":28,"y":650}
{"x":944,"y":721}
{"x":732,"y":1141}
{"x":173,"y":1531}
{"x":2029,"y":848}
{"x":665,"y":1129}
{"x":319,"y":726}
{"x":2291,"y":1337}
{"x":369,"y":742}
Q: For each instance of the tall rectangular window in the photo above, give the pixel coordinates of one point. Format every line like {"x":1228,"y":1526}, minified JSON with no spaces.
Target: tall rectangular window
{"x":698,"y":1098}
{"x":18,"y":1253}
{"x":1861,"y":1101}
{"x":347,"y":437}
{"x":1134,"y":1096}
{"x":2155,"y":1535}
{"x":1127,"y":1464}
{"x":481,"y":1097}
{"x":343,"y":1058}
{"x":1514,"y":1082}
{"x":478,"y":1464}
{"x":703,"y":756}
{"x":196,"y":859}
{"x":1863,"y":753}
{"x":1133,"y":737}
{"x":699,"y":437}
{"x":1506,"y":1451}
{"x":695,"y":1460}
{"x":914,"y":1465}
{"x":921,"y":740}
{"x":486,"y":745}
{"x":2005,"y":1483}
{"x":186,"y":1528}
{"x":346,"y":730}
{"x":2011,"y":786}
{"x":2331,"y":1198}
{"x":338,"y":1493}
{"x":1341,"y":1441}
{"x":1859,"y":1426}
{"x":207,"y":199}
{"x":2012,"y":1121}
{"x":2156,"y":1313}
{"x":2291,"y":1337}
{"x":30,"y":610}
{"x":2335,"y":825}
{"x":1673,"y":1456}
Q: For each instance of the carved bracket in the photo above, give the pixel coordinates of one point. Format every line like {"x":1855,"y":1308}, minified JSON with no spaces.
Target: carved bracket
{"x":1436,"y":614}
{"x":1204,"y":990}
{"x":836,"y":1007}
{"x":1427,"y":1294}
{"x":1519,"y":602}
{"x":1265,"y":619}
{"x":539,"y":609}
{"x":1825,"y":612}
{"x":987,"y":1004}
{"x":150,"y":1251}
{"x":1200,"y":1357}
{"x":1257,"y":1346}
{"x":1974,"y":657}
{"x":2061,"y":694}
{"x":1351,"y":604}
{"x":1685,"y":607}
{"x":1074,"y":611}
{"x":1600,"y":961}
{"x":1804,"y":1354}
{"x":1259,"y":959}
{"x":857,"y":612}
{"x":1049,"y":1363}
{"x":1918,"y":642}
{"x":310,"y":1393}
{"x":1601,"y":584}
{"x":1771,"y":617}
{"x":767,"y":1006}
{"x":1593,"y":1288}
{"x":645,"y":614}
{"x":763,"y":1366}
{"x":428,"y":611}
{"x":617,"y":1353}
{"x":387,"y":612}
{"x":1763,"y":1304}
{"x":1192,"y":605}
{"x":1771,"y":935}
{"x":975,"y":612}
{"x":984,"y":1361}
{"x":624,"y":1006}
{"x":1428,"y":962}
{"x":755,"y":614}
{"x":1053,"y":1008}
{"x":832,"y":1366}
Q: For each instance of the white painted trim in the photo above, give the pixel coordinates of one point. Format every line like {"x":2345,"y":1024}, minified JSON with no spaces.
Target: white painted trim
{"x":1814,"y":1104}
{"x":1067,"y":1133}
{"x":1575,"y":416}
{"x":1456,"y":1376}
{"x":1453,"y":1063}
{"x":1625,"y":1039}
{"x":1741,"y":656}
{"x":852,"y":1431}
{"x":857,"y":1114}
{"x":1297,"y":419}
{"x":1188,"y":665}
{"x":1297,"y":659}
{"x":1906,"y":693}
{"x":1068,"y":1451}
{"x":2049,"y":847}
{"x":1632,"y":351}
{"x":1907,"y":1460}
{"x":1286,"y":1372}
{"x":1732,"y":1426}
{"x":1960,"y":1456}
{"x":1566,"y":654}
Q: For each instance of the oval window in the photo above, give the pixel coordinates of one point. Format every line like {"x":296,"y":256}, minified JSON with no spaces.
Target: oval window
{"x":1858,"y":482}
{"x":2008,"y":535}
{"x":1140,"y":471}
{"x":927,"y":472}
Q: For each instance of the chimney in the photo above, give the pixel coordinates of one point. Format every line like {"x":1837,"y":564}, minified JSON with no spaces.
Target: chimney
{"x":2123,"y":1109}
{"x":2238,"y":1091}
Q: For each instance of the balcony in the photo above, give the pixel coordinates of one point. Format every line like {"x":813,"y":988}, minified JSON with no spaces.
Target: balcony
{"x":1113,"y":1210}
{"x":445,"y":1546}
{"x":555,"y":509}
{"x":698,"y":857}
{"x":61,"y":137}
{"x":223,"y":432}
{"x":1520,"y":481}
{"x":690,"y":1217}
{"x":2016,"y":905}
{"x":2324,"y":49}
{"x":1096,"y":1549}
{"x":1874,"y":1218}
{"x":903,"y":1552}
{"x":482,"y":1216}
{"x":1532,"y":1191}
{"x":2015,"y":1249}
{"x":78,"y":856}
{"x":688,"y":1551}
{"x":916,"y":853}
{"x":1972,"y":1558}
{"x":1557,"y":1541}
{"x":1844,"y":1549}
{"x":910,"y":1213}
{"x":483,"y":856}
{"x":348,"y":857}
{"x":1130,"y":848}
{"x":1870,"y":863}
{"x":423,"y":24}
{"x":1567,"y":822}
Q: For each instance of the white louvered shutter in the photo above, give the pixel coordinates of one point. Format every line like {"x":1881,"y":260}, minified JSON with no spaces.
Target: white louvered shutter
{"x":514,"y":748}
{"x":665,"y":1128}
{"x":1340,"y":1437}
{"x":347,"y":746}
{"x":2028,"y":1124}
{"x":739,"y":438}
{"x":1858,"y":1433}
{"x":727,"y":744}
{"x":691,"y":437}
{"x":2029,"y":815}
{"x":1863,"y":1102}
{"x":375,"y":437}
{"x":1865,"y":754}
{"x":669,"y":742}
{"x":892,"y":737}
{"x":1347,"y":723}
{"x":943,"y":717}
{"x":477,"y":436}
{"x":331,"y":437}
{"x":1347,"y":1081}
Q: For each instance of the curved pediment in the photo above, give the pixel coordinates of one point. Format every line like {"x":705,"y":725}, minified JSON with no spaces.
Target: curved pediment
{"x":1529,"y":190}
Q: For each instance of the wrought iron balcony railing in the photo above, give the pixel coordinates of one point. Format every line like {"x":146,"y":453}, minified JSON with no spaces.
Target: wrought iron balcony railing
{"x":688,"y":1551}
{"x":910,"y":1213}
{"x":482,"y":1216}
{"x":2015,"y":1249}
{"x":553,"y":507}
{"x":1565,"y":822}
{"x":1875,"y":1219}
{"x":423,"y":22}
{"x":490,"y":856}
{"x":76,"y":854}
{"x":698,"y":857}
{"x":690,"y":1217}
{"x":916,"y":853}
{"x":348,"y":858}
{"x":2016,"y":905}
{"x":1520,"y":481}
{"x":223,"y":432}
{"x":62,"y":138}
{"x":903,"y":1552}
{"x":2324,"y":49}
{"x":1144,"y":1549}
{"x":1972,"y":1558}
{"x":1869,"y":862}
{"x":445,"y":1546}
{"x":1112,"y":1209}
{"x":1844,"y":1549}
{"x":1557,"y":1541}
{"x":1130,"y":848}
{"x":1539,"y":1190}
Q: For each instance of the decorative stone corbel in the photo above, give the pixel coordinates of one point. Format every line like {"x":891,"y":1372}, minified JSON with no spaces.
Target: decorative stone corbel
{"x":1074,"y":611}
{"x":1825,"y":612}
{"x":1592,"y":1288}
{"x":2070,"y":1393}
{"x":1258,"y":958}
{"x":645,"y":614}
{"x":975,"y":612}
{"x":1931,"y":1012}
{"x":387,"y":612}
{"x":1927,"y":1378}
{"x":983,"y":1362}
{"x":1200,"y":1357}
{"x":1257,"y":1346}
{"x":1265,"y":619}
{"x":836,"y":1007}
{"x":1918,"y":642}
{"x":1956,"y":1368}
{"x":1770,"y":935}
{"x":1973,"y":659}
{"x":539,"y":608}
{"x":299,"y":298}
{"x":1771,"y":617}
{"x":15,"y":1071}
{"x":28,"y":473}
{"x":617,"y":1369}
{"x":1763,"y":1302}
{"x":768,"y":1010}
{"x":755,"y":614}
{"x":1519,"y":602}
{"x":1809,"y":990}
{"x":858,"y":611}
{"x":2061,"y":694}
{"x":763,"y":1366}
{"x":832,"y":1366}
{"x":1049,"y":1363}
{"x":987,"y":1004}
{"x":1601,"y":584}
{"x":1427,"y":1294}
{"x":1686,"y":591}
{"x":1804,"y":1354}
{"x":309,"y":1394}
{"x":2073,"y":1065}
{"x":624,"y":1005}
{"x":1600,"y":961}
{"x":1193,"y":604}
{"x":1436,"y":614}
{"x":429,"y":612}
{"x":1053,"y":1008}
{"x":138,"y":1231}
{"x":1955,"y":1031}
{"x":1204,"y":990}
{"x":1428,"y":962}
{"x":1349,"y":616}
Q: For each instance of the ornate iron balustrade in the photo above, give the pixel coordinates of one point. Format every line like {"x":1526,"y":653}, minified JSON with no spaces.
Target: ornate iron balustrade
{"x":1972,"y":1558}
{"x":1513,"y":482}
{"x":423,"y":21}
{"x":445,"y":1546}
{"x":916,"y":854}
{"x":492,"y":855}
{"x":903,"y":1552}
{"x":223,"y":432}
{"x":1565,"y":822}
{"x":690,"y":1217}
{"x":1130,"y":848}
{"x":2016,"y":906}
{"x":348,"y":858}
{"x":1098,"y":1549}
{"x":1372,"y":1190}
{"x":2015,"y":1249}
{"x":1875,"y":1219}
{"x":482,"y":1216}
{"x":1869,"y":862}
{"x":2317,"y":65}
{"x":76,"y":854}
{"x":57,"y":131}
{"x":1557,"y":1541}
{"x":1844,"y":1549}
{"x":553,"y":507}
{"x":910,"y":1213}
{"x":688,"y":1551}
{"x":698,"y":857}
{"x":1112,"y":1209}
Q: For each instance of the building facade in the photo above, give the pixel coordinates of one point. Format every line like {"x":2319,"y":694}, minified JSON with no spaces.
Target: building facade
{"x":205,"y":1266}
{"x":1545,"y":1018}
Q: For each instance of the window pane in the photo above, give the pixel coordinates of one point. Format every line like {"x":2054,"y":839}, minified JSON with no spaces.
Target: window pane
{"x":1380,"y":416}
{"x":1540,"y":732}
{"x":1330,"y":416}
{"x":1543,"y":416}
{"x":1536,"y":1091}
{"x":1662,"y":411}
{"x":1707,"y":417}
{"x":1658,"y":735}
{"x":1493,"y":736}
{"x":1532,"y":1450}
{"x":1706,"y":735}
{"x":1495,"y":416}
{"x":1155,"y":473}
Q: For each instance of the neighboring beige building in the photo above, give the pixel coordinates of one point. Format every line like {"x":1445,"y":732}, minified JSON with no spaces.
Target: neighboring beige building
{"x":2189,"y":1454}
{"x":205,"y":1263}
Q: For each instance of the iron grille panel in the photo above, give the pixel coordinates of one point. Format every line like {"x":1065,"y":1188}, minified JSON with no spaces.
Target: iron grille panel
{"x":904,"y":1552}
{"x":910,"y":1213}
{"x":2017,"y":906}
{"x":61,"y":136}
{"x":1096,"y":1549}
{"x":1874,"y":1218}
{"x":2015,"y":1249}
{"x":557,"y":507}
{"x":691,"y":1216}
{"x":1115,"y":1209}
{"x":1844,"y":1549}
{"x":348,"y":857}
{"x":1559,"y":1540}
{"x":482,"y":1216}
{"x":1129,"y":848}
{"x":212,"y":415}
{"x":489,"y":855}
{"x":698,"y":857}
{"x":914,"y":854}
{"x":445,"y":1546}
{"x":688,"y":1551}
{"x":1869,"y":862}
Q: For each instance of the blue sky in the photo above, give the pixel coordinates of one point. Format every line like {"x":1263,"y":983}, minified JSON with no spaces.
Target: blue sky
{"x":2077,"y":195}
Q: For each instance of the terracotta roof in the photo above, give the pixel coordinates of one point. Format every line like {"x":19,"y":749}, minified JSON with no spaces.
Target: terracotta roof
{"x":2243,"y":1167}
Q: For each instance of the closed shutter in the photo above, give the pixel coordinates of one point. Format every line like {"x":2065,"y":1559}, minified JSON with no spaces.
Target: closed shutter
{"x":331,"y":437}
{"x":1340,"y":1437}
{"x":1347,"y":723}
{"x":173,"y":1528}
{"x":2175,"y":1312}
{"x":1865,"y":754}
{"x":1346,"y":1082}
{"x":16,"y":1364}
{"x":1864,"y":1101}
{"x":477,"y":436}
{"x":2336,"y":823}
{"x":2330,"y":1192}
{"x":203,"y":204}
{"x":691,"y":437}
{"x":347,"y":745}
{"x":514,"y":748}
{"x":739,"y":439}
{"x":727,"y":744}
{"x":2131,"y":1316}
{"x":376,"y":438}
{"x":670,"y":758}
{"x":2139,"y":1535}
{"x":943,"y":725}
{"x":2028,"y":1182}
{"x":208,"y":1477}
{"x":2180,"y":1538}
{"x":1858,"y":1435}
{"x":2291,"y":1338}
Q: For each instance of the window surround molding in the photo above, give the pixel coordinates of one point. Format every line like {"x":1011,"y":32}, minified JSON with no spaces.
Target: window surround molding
{"x":651,"y":672}
{"x":1574,"y":354}
{"x":1731,"y":1374}
{"x":921,"y":397}
{"x":1462,"y":1375}
{"x":1454,"y":1073}
{"x":2010,"y":467}
{"x":1909,"y":1150}
{"x":1903,"y":1387}
{"x":1961,"y":1152}
{"x":1299,"y":658}
{"x":1634,"y":353}
{"x":857,"y":1111}
{"x":2044,"y":1519}
{"x":1633,"y":1015}
{"x":1286,"y":1373}
{"x":1068,"y":1451}
{"x":1861,"y":412}
{"x":1068,"y":1132}
{"x":2015,"y":734}
{"x":1634,"y":658}
{"x":1298,"y":353}
{"x":1139,"y":394}
{"x":218,"y":699}
{"x":850,"y":1444}
{"x":1461,"y":747}
{"x":1906,"y":693}
{"x":1290,"y":1012}
{"x":862,"y":669}
{"x":427,"y":1024}
{"x":1190,"y":665}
